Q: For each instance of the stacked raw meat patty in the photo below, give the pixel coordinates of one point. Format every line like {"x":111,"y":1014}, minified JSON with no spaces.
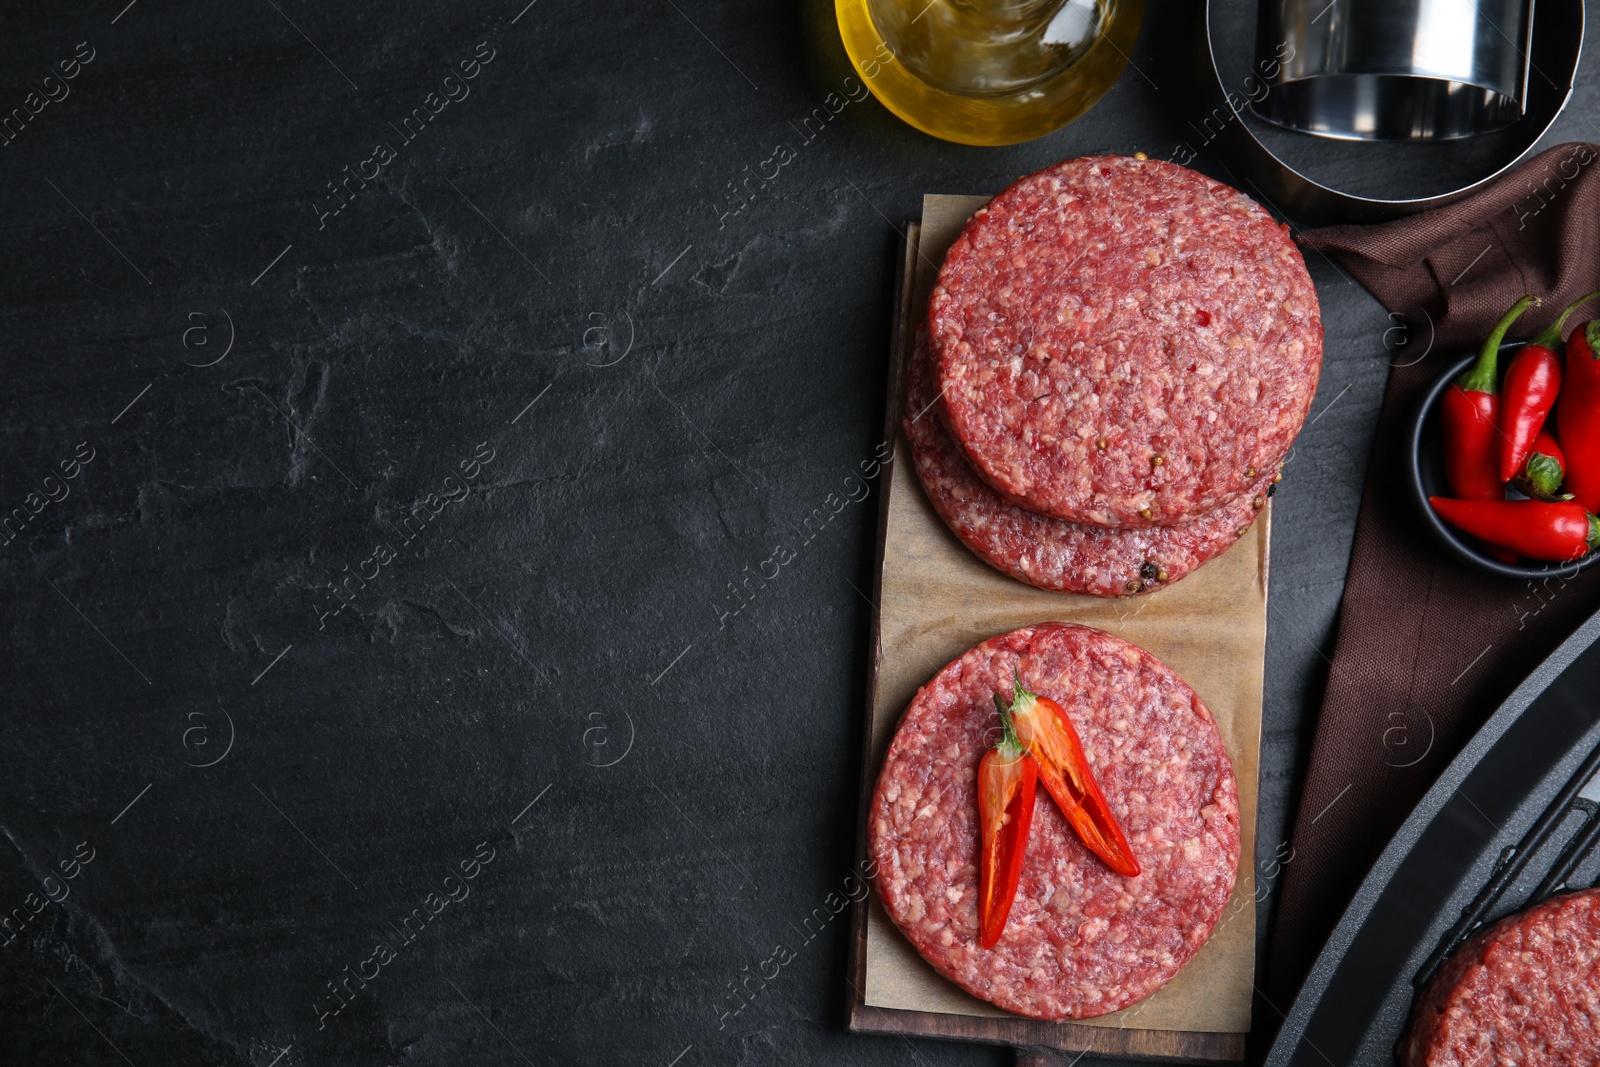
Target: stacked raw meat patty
{"x":1119,"y":353}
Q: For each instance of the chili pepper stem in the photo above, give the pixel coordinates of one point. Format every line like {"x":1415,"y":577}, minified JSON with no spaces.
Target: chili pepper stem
{"x":1594,"y":532}
{"x":1008,"y":736}
{"x":1018,"y":694}
{"x":1550,"y":336}
{"x":1541,"y":477}
{"x":1482,"y":376}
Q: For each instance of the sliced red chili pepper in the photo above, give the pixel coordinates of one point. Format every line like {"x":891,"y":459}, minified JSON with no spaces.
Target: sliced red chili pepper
{"x":1541,"y":474}
{"x":1046,"y":732}
{"x":1529,"y":392}
{"x":1007,"y":779}
{"x":1556,"y":532}
{"x":1578,"y":415}
{"x":1470,"y":410}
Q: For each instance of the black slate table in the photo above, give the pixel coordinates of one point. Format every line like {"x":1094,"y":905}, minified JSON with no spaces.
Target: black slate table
{"x":404,"y":404}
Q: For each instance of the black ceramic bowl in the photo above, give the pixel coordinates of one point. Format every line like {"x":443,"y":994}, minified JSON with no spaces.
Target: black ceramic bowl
{"x":1428,"y":479}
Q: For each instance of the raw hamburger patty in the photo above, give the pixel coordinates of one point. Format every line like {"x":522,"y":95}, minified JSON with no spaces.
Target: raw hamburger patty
{"x":1124,"y":342}
{"x":1082,"y":940}
{"x":1051,"y":553}
{"x":1526,"y":991}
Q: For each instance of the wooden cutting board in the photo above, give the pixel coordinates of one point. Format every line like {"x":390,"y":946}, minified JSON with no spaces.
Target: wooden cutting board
{"x":933,"y":600}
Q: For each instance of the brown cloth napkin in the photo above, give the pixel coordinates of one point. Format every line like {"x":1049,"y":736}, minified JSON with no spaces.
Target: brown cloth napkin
{"x":1426,"y":647}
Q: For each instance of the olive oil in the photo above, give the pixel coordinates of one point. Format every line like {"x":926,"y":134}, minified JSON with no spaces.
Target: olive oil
{"x":989,"y":72}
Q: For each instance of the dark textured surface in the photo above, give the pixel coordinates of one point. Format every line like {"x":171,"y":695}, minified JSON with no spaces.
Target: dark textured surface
{"x":701,"y":378}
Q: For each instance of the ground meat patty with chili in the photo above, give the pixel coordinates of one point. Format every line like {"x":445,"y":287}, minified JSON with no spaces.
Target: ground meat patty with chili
{"x":1124,"y":342}
{"x":1526,"y":991}
{"x":1051,"y":553}
{"x":1082,"y":940}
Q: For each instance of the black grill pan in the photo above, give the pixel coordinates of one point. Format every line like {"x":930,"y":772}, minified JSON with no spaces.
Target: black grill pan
{"x":1514,"y":818}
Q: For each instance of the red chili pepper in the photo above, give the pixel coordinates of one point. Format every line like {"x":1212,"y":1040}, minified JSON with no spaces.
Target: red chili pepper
{"x":1007,"y":778}
{"x":1542,"y":473}
{"x":1556,"y":532}
{"x":1047,"y":734}
{"x":1529,"y":392}
{"x":1578,"y":415}
{"x":1470,"y":409}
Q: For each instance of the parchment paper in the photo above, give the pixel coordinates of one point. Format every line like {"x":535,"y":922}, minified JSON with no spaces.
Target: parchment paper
{"x":938,"y":600}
